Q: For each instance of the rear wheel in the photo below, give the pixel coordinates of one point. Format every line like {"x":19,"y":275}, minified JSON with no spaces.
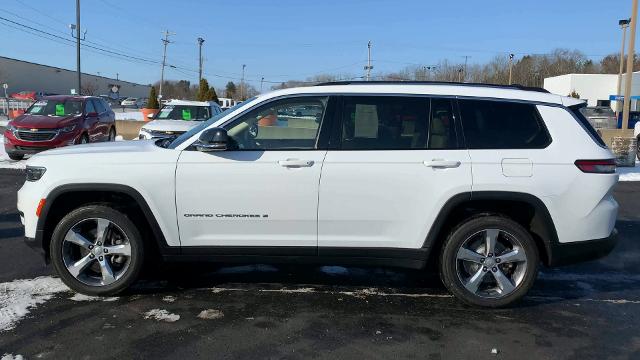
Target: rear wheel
{"x":490,"y":261}
{"x":16,"y":157}
{"x":84,"y":139}
{"x":97,"y":250}
{"x":112,"y":134}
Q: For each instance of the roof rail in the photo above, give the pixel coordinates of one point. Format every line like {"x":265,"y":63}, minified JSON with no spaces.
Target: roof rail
{"x":357,"y":82}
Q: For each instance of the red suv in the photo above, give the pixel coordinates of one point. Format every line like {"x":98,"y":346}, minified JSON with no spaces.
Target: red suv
{"x":56,"y":121}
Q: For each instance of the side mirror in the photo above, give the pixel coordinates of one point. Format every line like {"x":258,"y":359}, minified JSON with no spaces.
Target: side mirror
{"x":214,"y":139}
{"x":150,"y":116}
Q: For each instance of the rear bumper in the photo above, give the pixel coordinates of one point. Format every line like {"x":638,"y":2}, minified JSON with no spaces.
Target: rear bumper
{"x":580,"y":251}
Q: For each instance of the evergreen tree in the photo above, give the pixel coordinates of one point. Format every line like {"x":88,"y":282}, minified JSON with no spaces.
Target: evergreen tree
{"x":153,"y":99}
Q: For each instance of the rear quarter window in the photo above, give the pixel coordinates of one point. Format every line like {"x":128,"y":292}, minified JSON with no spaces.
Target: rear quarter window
{"x":493,"y":124}
{"x":582,"y":120}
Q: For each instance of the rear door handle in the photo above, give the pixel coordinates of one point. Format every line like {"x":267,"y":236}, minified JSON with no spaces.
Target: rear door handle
{"x":295,"y":163}
{"x":442,"y":164}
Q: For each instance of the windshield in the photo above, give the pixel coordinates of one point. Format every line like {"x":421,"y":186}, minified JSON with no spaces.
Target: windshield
{"x":56,"y":107}
{"x":184,"y":112}
{"x":184,"y":137}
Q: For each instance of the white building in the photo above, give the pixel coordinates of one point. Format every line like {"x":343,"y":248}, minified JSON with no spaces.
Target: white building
{"x":27,"y":76}
{"x":596,"y":89}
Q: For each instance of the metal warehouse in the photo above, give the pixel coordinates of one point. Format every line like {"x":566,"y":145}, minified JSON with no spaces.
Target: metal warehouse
{"x":27,"y":76}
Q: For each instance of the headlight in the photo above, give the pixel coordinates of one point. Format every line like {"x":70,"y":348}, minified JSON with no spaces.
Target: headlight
{"x":69,"y":128}
{"x":11,"y":128}
{"x":34,"y":173}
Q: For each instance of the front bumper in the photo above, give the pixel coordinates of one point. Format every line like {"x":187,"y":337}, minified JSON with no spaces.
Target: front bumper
{"x":13,"y":145}
{"x":580,"y":251}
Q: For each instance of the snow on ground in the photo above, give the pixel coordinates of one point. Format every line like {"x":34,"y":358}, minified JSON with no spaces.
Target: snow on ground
{"x":18,"y":297}
{"x":161,"y":315}
{"x":12,"y":357}
{"x":129,"y":115}
{"x":630,"y":173}
{"x":211,"y":314}
{"x":5,"y":162}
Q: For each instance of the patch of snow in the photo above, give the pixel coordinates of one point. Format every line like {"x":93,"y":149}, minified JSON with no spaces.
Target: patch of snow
{"x":169,"y":299}
{"x":83,"y":297}
{"x":12,"y":357}
{"x":4,"y":121}
{"x":161,"y":315}
{"x":210,"y":314}
{"x":110,"y":299}
{"x":119,"y":138}
{"x":5,"y":162}
{"x":629,"y":173}
{"x":18,"y":297}
{"x":129,"y":115}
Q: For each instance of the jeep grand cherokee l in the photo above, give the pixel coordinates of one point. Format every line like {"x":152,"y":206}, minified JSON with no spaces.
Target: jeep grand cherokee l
{"x":486,"y":181}
{"x":57,"y":121}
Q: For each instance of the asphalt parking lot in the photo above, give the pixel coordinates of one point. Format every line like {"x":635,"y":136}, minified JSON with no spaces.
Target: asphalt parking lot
{"x":586,"y":311}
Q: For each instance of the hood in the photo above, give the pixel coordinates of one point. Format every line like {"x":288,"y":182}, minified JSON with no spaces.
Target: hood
{"x":103,"y":148}
{"x":171,"y":125}
{"x":43,"y":121}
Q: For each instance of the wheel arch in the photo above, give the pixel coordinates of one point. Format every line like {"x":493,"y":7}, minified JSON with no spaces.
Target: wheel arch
{"x":526,"y":209}
{"x":66,"y":197}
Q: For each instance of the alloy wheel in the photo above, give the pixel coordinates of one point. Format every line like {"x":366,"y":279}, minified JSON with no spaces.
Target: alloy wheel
{"x":96,"y":252}
{"x":491,"y":263}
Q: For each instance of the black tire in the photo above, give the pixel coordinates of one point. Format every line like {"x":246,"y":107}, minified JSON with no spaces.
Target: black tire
{"x":89,"y":212}
{"x":449,"y":262}
{"x":16,"y":157}
{"x":638,"y":149}
{"x":112,"y":134}
{"x":83,"y":139}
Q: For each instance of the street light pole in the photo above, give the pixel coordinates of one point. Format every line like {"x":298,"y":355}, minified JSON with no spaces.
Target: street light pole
{"x":624,"y":24}
{"x":630,"y":56}
{"x":200,"y":41}
{"x":510,"y":68}
{"x":78,"y":47}
{"x":165,"y":42}
{"x":369,"y":67}
{"x":242,"y":83}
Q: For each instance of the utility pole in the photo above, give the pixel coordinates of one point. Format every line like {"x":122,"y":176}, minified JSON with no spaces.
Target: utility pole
{"x":510,"y":67}
{"x":242,"y":83}
{"x":261,"y":81}
{"x":117,"y":76}
{"x":165,"y":42}
{"x":630,"y":56}
{"x":466,"y":58}
{"x":624,"y":24}
{"x":369,"y":67}
{"x":200,"y":41}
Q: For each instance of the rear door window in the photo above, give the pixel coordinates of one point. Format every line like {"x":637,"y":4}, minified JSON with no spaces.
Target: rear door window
{"x":98,"y":106}
{"x":492,"y":124}
{"x":384,"y":123}
{"x":89,"y":107}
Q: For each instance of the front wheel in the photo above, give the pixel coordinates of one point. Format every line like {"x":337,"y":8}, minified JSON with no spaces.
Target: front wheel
{"x":16,"y":157}
{"x":490,"y":261}
{"x":97,"y":250}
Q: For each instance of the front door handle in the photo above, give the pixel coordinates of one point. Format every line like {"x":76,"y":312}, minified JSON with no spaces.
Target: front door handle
{"x":295,"y":163}
{"x":442,"y":164}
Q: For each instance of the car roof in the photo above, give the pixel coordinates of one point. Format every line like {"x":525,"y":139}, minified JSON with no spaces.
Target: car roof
{"x":426,"y":88}
{"x":189,"y":102}
{"x":66,"y":97}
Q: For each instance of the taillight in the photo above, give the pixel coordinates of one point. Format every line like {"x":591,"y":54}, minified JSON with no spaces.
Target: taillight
{"x":607,"y":166}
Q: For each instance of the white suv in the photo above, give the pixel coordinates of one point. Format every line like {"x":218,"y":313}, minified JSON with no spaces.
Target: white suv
{"x":177,"y":117}
{"x":484,"y":181}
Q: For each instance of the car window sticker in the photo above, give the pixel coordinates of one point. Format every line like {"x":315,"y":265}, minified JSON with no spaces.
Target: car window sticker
{"x":59,"y":109}
{"x":186,"y":114}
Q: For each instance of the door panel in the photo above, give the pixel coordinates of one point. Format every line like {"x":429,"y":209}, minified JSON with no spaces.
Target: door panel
{"x":263,"y":192}
{"x":256,"y":202}
{"x":397,"y":165}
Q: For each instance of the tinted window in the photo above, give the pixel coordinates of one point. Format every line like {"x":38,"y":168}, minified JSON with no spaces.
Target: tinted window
{"x":502,"y":125}
{"x":280,"y":125}
{"x":97,"y":104}
{"x":379,"y":122}
{"x":442,"y":133}
{"x":89,"y":108}
{"x":582,"y":120}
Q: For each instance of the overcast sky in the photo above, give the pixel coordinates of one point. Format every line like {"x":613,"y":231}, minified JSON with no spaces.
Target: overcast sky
{"x":294,"y":39}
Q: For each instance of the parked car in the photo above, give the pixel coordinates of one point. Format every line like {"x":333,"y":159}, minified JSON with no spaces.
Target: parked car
{"x":177,"y":117}
{"x":600,"y":117}
{"x":485,"y":181}
{"x":132,"y":102}
{"x":226,"y":103}
{"x":30,"y":95}
{"x":57,"y":121}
